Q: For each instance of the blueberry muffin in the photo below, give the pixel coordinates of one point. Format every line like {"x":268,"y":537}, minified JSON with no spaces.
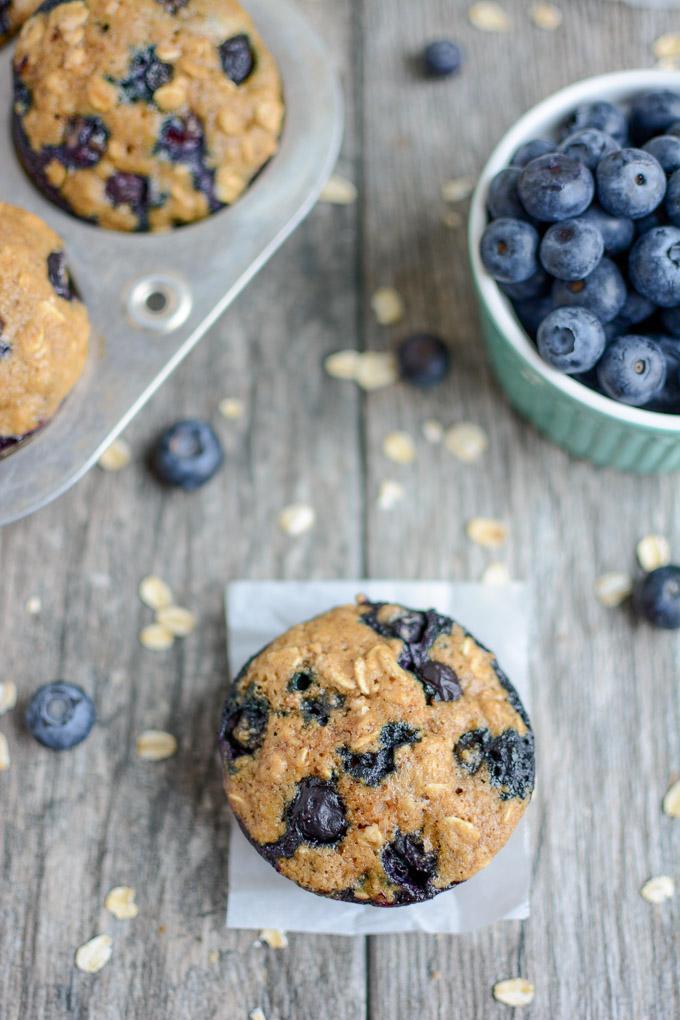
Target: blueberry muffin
{"x":44,"y":328}
{"x":144,"y":114}
{"x":13,"y":13}
{"x":376,"y":754}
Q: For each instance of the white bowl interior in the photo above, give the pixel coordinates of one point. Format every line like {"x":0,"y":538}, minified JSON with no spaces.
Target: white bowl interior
{"x":540,"y":121}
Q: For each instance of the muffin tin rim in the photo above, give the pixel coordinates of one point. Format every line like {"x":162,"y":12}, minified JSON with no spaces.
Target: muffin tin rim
{"x":616,"y":86}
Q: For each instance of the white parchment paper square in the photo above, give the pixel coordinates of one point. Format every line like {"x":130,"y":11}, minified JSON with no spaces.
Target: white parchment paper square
{"x":257,"y":611}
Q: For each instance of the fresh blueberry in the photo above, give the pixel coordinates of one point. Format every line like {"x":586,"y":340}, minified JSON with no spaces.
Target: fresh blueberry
{"x":601,"y":115}
{"x":673,"y":198}
{"x":603,"y":292}
{"x":181,"y":138}
{"x":654,"y":266}
{"x":85,"y":142}
{"x":571,"y":340}
{"x":588,"y":146}
{"x":60,"y":715}
{"x":555,"y":187}
{"x":508,"y":250}
{"x":318,"y":812}
{"x":632,"y":370}
{"x":635,"y":310}
{"x":670,"y":319}
{"x":571,"y":250}
{"x":665,"y":149}
{"x":423,"y":359}
{"x":658,"y":597}
{"x":617,"y":231}
{"x":503,"y":200}
{"x":128,"y":189}
{"x":651,"y":113}
{"x":531,"y":150}
{"x":536,"y":286}
{"x":410,"y":866}
{"x":668,"y":399}
{"x":238,"y":59}
{"x":146,"y":73}
{"x":532,"y":312}
{"x":442,"y":58}
{"x":59,"y":276}
{"x":187,"y":455}
{"x":630,"y":182}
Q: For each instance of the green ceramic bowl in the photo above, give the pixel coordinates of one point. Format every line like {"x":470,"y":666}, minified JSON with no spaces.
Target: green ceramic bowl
{"x":586,"y":423}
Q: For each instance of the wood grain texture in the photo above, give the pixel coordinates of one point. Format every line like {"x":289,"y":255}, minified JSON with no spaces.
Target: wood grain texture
{"x":606,"y":698}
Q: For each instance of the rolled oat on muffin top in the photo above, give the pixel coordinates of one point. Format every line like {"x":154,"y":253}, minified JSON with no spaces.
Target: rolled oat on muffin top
{"x":376,"y":754}
{"x":44,"y":328}
{"x":144,"y":114}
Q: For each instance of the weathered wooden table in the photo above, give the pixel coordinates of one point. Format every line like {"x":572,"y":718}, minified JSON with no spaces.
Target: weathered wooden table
{"x":606,"y":696}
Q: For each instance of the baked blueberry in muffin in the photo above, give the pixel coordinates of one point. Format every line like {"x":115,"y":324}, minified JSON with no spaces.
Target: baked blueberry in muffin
{"x":409,"y":775}
{"x":44,"y":328}
{"x":144,"y":114}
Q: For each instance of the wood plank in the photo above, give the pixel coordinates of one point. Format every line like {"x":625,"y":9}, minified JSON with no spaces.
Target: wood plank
{"x":606,"y":702}
{"x":76,"y":824}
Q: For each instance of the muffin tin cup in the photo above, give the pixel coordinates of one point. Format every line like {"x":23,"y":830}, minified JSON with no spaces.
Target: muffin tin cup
{"x":581,"y":421}
{"x":152,"y":297}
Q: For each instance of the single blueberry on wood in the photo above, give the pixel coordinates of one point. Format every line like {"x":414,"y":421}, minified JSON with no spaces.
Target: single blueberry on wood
{"x":442,"y":58}
{"x":187,"y":455}
{"x":657,"y":597}
{"x":60,"y":715}
{"x":423,"y":359}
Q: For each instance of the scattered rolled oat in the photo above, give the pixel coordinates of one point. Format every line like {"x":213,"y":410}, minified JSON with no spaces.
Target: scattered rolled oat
{"x":338,"y":191}
{"x":155,"y":593}
{"x":231,"y":408}
{"x":213,"y":957}
{"x":458,"y":189}
{"x":94,"y":955}
{"x":8,"y":696}
{"x":156,"y":638}
{"x":671,"y":802}
{"x":116,"y":457}
{"x":156,"y":745}
{"x":433,"y":431}
{"x":466,"y":441}
{"x":653,"y":551}
{"x":297,"y":518}
{"x":514,"y":992}
{"x":121,"y":903}
{"x":496,"y":575}
{"x":399,"y":447}
{"x":33,"y":605}
{"x":376,"y":369}
{"x":489,"y":16}
{"x":5,"y":760}
{"x":274,"y":938}
{"x":390,"y":494}
{"x":256,"y":1014}
{"x":667,"y":46}
{"x":387,"y":306}
{"x":658,"y":889}
{"x":343,"y":364}
{"x":546,"y":16}
{"x":180,"y":622}
{"x":487,"y":531}
{"x":613,"y":588}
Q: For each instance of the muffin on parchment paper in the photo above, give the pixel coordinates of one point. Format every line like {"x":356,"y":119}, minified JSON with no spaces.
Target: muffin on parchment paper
{"x":376,"y":754}
{"x":44,"y":328}
{"x":144,"y":114}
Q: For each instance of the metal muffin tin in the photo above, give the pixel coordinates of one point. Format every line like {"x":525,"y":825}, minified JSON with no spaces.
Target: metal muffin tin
{"x":152,"y":297}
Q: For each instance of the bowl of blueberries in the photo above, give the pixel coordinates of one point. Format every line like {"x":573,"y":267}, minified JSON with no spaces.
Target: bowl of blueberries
{"x":575,"y":249}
